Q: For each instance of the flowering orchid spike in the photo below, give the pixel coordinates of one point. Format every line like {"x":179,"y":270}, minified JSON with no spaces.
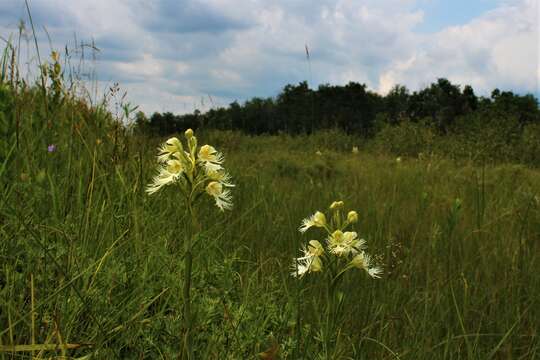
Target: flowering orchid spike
{"x":196,"y":171}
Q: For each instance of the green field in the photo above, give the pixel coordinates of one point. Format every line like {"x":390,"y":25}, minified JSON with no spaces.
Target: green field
{"x":92,"y":267}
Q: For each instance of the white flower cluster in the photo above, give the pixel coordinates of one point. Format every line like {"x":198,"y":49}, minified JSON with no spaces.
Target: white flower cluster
{"x":196,"y":171}
{"x":349,"y":250}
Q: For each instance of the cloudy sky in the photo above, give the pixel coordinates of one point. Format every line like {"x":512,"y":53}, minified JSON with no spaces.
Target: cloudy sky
{"x":177,"y":55}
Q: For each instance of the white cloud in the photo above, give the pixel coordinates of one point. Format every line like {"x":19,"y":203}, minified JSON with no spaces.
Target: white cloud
{"x":498,"y":49}
{"x":171,"y":54}
{"x":147,"y":68}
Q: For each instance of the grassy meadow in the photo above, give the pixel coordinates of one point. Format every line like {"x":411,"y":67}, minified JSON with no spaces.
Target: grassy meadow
{"x":92,"y":266}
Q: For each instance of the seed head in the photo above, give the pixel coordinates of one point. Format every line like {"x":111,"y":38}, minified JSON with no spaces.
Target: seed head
{"x":55,"y":56}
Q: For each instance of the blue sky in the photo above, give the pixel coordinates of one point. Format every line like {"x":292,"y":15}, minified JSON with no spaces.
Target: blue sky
{"x":439,"y":14}
{"x":177,"y":55}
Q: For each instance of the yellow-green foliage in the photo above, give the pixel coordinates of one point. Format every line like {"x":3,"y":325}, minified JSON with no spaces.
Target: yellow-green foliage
{"x":479,"y":139}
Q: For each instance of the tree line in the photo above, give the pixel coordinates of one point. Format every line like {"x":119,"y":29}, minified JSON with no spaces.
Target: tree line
{"x":353,"y":108}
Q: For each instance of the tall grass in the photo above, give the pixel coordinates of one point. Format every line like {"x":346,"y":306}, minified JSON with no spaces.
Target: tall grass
{"x":92,"y":267}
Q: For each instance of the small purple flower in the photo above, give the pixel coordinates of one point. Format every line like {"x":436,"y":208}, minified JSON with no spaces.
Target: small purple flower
{"x":51,"y":148}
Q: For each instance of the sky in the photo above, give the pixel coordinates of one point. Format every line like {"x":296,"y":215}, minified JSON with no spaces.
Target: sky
{"x":179,"y":55}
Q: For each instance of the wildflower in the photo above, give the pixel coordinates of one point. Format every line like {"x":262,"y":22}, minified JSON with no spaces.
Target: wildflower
{"x":51,"y":148}
{"x":355,"y":149}
{"x":301,"y":267}
{"x":352,"y":217}
{"x":220,"y":176}
{"x":398,"y":159}
{"x":167,"y":175}
{"x":375,"y":272}
{"x":196,"y":171}
{"x":318,"y":220}
{"x":310,"y":261}
{"x":318,"y":153}
{"x":343,"y":251}
{"x":192,"y":142}
{"x":174,"y":167}
{"x":316,"y":264}
{"x":210,"y":158}
{"x":222,"y":197}
{"x":363,"y":261}
{"x":344,"y":243}
{"x":315,"y":248}
{"x":336,"y":205}
{"x":172,"y":147}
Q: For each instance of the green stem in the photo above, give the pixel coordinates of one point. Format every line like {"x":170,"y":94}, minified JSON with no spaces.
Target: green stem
{"x":188,"y":262}
{"x":330,"y":317}
{"x":187,"y":297}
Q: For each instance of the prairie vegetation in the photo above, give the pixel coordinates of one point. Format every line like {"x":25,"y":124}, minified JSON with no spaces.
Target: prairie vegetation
{"x":93,"y":268}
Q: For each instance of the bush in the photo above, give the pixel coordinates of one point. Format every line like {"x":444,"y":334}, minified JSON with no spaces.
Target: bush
{"x":407,"y":138}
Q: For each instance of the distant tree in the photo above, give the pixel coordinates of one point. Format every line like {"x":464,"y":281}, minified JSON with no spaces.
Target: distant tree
{"x":297,"y":109}
{"x":237,"y":120}
{"x":470,"y":98}
{"x":442,"y":102}
{"x":396,"y":103}
{"x":295,"y":104}
{"x":524,"y":107}
{"x":142,"y":123}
